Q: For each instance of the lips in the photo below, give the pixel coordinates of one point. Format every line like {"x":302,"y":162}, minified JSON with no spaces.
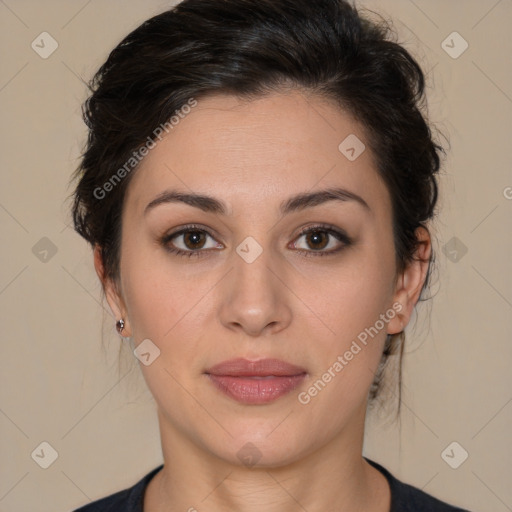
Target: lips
{"x":255,"y":382}
{"x":262,"y":368}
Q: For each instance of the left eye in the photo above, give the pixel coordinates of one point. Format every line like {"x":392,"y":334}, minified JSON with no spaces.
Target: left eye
{"x":321,"y":239}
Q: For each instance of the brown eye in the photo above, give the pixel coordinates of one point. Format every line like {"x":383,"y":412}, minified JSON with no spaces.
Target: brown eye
{"x":194,"y":239}
{"x":321,"y":241}
{"x":190,"y":241}
{"x":317,"y":239}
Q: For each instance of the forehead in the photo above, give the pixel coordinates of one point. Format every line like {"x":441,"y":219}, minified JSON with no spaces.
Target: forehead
{"x":264,"y":149}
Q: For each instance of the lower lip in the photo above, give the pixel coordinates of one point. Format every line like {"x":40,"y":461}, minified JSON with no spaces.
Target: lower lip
{"x":256,"y":390}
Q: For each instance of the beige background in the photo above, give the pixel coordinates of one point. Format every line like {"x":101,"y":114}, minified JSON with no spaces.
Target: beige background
{"x":59,"y":386}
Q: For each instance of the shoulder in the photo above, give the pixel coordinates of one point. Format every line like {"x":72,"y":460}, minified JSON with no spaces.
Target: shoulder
{"x":127,"y":500}
{"x":406,"y":498}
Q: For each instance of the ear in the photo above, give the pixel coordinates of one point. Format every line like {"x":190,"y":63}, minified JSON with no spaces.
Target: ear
{"x":410,"y":282}
{"x":114,"y":298}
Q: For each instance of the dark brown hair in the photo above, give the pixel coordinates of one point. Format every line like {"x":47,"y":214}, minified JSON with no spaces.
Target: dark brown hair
{"x":249,"y":48}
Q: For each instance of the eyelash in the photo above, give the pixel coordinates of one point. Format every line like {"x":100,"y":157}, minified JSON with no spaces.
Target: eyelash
{"x":331,"y":230}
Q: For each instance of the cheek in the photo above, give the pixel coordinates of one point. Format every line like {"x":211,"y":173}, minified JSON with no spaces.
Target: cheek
{"x":150,"y":303}
{"x":164,"y":303}
{"x":352,"y":298}
{"x":164,"y":307}
{"x":152,"y":296}
{"x":351,"y":303}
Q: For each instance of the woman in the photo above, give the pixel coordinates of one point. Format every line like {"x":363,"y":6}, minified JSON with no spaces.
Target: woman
{"x":257,"y":187}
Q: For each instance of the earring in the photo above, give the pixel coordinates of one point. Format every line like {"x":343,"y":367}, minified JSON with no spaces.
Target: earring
{"x":120,"y":326}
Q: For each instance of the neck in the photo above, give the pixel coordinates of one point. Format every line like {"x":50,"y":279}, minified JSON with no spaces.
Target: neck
{"x":333,"y":477}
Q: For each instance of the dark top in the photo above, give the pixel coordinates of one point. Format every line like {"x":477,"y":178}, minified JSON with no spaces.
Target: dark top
{"x":404,"y":497}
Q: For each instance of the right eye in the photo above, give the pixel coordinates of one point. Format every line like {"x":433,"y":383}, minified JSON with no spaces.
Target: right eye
{"x":188,"y":241}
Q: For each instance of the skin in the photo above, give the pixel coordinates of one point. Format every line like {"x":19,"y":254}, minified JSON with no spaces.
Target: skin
{"x":200,"y":311}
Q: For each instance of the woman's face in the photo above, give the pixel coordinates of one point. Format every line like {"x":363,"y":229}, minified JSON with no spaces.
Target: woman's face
{"x":249,"y":285}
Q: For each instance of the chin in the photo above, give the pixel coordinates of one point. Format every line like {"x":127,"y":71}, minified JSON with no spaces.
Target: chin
{"x":259,"y":444}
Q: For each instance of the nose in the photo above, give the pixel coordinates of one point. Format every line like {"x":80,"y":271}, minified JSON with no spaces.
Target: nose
{"x":255,"y":297}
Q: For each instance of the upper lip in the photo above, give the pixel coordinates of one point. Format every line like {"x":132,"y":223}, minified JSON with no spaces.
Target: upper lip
{"x":241,"y":367}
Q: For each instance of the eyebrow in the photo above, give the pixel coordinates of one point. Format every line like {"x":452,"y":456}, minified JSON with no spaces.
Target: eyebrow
{"x":295,"y":203}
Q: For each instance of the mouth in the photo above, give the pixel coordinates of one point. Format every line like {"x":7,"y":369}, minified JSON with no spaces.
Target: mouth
{"x":255,"y":382}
